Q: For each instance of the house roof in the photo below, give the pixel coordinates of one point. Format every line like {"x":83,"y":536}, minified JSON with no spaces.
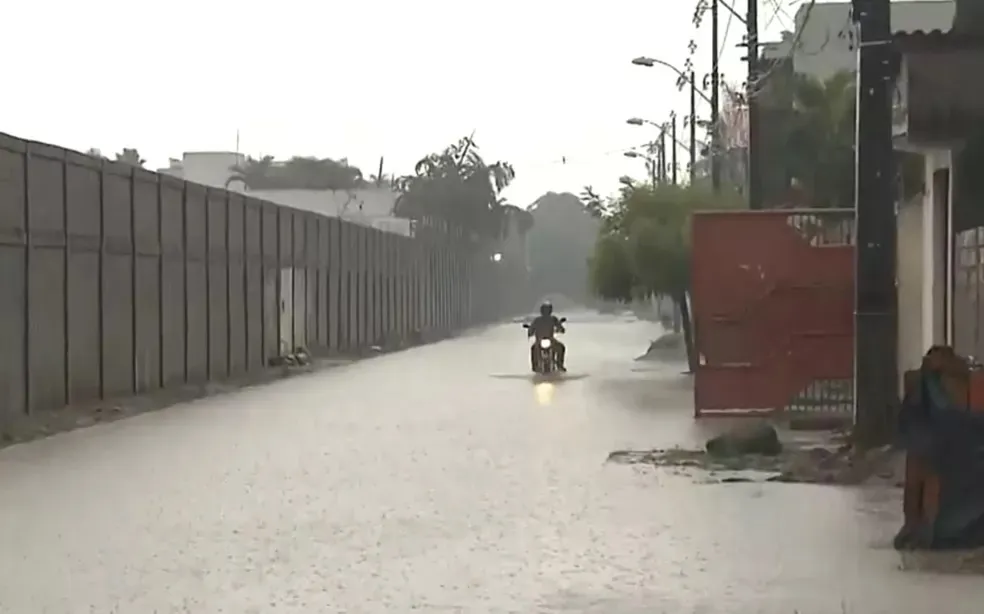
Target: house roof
{"x":937,"y":40}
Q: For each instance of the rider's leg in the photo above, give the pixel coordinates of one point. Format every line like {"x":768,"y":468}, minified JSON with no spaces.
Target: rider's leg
{"x":561,"y":353}
{"x":533,"y":357}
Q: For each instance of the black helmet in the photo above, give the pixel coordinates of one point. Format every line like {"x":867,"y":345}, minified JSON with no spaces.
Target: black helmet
{"x":546,"y":308}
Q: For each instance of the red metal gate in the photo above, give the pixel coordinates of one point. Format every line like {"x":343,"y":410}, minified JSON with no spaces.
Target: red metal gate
{"x":773,"y":305}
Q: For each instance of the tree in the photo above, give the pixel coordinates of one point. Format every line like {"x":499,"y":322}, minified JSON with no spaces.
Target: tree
{"x":820,"y":149}
{"x":522,"y":218}
{"x":298,"y":173}
{"x":253,"y":173}
{"x":458,"y":187}
{"x":808,"y":142}
{"x":130,"y":156}
{"x":559,"y":245}
{"x":95,"y":153}
{"x":643,"y":247}
{"x":307,"y":173}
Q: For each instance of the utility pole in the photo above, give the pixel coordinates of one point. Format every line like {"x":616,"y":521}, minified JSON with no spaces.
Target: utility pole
{"x":751,"y":94}
{"x":673,"y":144}
{"x":693,"y":129}
{"x":876,"y":301}
{"x":715,"y":102}
{"x":651,"y":162}
{"x":662,"y":154}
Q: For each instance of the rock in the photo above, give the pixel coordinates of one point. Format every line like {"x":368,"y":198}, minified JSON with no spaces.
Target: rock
{"x":667,"y":341}
{"x":669,"y":345}
{"x":759,"y":439}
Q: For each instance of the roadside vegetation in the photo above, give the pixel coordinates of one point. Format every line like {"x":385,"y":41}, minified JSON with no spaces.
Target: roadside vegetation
{"x":643,"y":246}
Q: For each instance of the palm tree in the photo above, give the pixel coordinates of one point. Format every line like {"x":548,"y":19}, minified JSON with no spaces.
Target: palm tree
{"x":254,"y":173}
{"x":130,"y":156}
{"x":298,"y":173}
{"x":809,"y":145}
{"x":308,"y":173}
{"x":821,"y":137}
{"x":458,"y":187}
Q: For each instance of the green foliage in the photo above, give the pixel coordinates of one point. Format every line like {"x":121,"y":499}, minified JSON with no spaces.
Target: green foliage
{"x":559,"y":245}
{"x":643,"y":248}
{"x":298,"y":173}
{"x":611,"y":270}
{"x":808,"y":142}
{"x":820,"y":139}
{"x":130,"y":156}
{"x":458,"y":187}
{"x":523,"y":218}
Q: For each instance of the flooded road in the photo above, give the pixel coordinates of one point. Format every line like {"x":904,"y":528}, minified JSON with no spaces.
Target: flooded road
{"x":437,"y":480}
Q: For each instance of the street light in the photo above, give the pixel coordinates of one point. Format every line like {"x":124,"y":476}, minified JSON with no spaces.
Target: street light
{"x":650,"y":164}
{"x":684,"y":78}
{"x":638,"y":121}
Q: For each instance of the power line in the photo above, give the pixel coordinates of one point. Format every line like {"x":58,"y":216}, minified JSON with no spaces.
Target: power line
{"x":578,"y":158}
{"x":756,"y":87}
{"x":779,"y":9}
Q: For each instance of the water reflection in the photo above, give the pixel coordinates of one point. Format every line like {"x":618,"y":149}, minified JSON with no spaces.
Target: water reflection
{"x":544,"y":392}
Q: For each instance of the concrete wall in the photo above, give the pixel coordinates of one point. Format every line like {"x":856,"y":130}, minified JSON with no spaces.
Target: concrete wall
{"x":119,"y":281}
{"x":938,"y":251}
{"x":370,"y":206}
{"x":909,"y":263}
{"x":826,"y":40}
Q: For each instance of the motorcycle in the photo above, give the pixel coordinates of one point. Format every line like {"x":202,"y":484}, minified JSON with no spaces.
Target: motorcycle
{"x":546,"y":359}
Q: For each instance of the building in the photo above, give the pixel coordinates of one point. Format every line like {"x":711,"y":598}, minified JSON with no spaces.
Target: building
{"x":371,"y":206}
{"x":824,"y":42}
{"x":939,"y":113}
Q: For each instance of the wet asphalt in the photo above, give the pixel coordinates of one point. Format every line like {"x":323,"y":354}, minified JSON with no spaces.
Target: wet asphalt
{"x":441,"y":479}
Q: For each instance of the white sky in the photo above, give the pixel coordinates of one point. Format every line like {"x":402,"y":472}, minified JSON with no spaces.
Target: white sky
{"x":538,"y":80}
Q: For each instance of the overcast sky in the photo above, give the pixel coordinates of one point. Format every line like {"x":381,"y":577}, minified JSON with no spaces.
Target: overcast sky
{"x":537,"y":80}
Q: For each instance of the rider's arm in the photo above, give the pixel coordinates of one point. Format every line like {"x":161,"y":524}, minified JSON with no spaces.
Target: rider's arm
{"x":558,"y":325}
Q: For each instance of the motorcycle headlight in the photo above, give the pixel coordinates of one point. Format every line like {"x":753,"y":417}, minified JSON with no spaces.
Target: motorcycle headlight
{"x":544,"y":343}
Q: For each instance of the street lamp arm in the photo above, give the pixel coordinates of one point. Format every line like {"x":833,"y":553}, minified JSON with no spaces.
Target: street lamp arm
{"x":650,"y":62}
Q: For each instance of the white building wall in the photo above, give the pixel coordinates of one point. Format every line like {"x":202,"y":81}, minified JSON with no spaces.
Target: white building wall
{"x":827,"y":43}
{"x":909,"y":270}
{"x":369,"y":206}
{"x":937,"y":289}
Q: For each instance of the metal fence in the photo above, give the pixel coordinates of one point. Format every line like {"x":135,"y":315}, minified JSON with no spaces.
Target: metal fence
{"x":120,"y":281}
{"x":773,"y":307}
{"x":968,"y":293}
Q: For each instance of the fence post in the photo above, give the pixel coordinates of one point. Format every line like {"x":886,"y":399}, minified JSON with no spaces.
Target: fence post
{"x":374,"y":261}
{"x":228,"y":285}
{"x":28,"y":319}
{"x":346,"y":294}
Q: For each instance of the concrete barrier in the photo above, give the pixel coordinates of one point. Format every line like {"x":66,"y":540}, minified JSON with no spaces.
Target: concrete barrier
{"x":119,"y":281}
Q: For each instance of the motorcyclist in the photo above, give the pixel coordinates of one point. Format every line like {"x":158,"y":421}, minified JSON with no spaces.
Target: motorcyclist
{"x":545,"y":326}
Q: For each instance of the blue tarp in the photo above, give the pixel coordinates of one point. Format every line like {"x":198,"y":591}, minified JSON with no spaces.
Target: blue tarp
{"x":949,"y":441}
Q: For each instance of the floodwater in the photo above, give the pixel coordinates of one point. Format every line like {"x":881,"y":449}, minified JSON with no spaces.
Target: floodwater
{"x":440,"y":479}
